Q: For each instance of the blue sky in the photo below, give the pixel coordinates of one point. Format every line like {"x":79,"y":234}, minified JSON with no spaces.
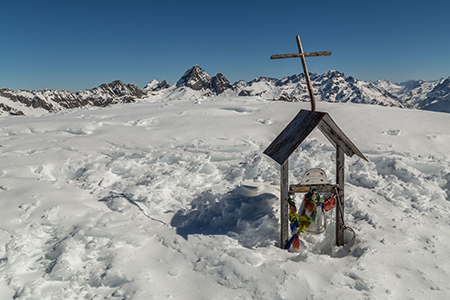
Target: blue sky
{"x":76,"y":45}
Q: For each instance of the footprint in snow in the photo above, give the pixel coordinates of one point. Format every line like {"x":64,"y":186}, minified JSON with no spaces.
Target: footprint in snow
{"x":79,"y":131}
{"x":392,"y":132}
{"x":358,"y":283}
{"x":241,"y":110}
{"x":265,"y":121}
{"x":143,"y":122}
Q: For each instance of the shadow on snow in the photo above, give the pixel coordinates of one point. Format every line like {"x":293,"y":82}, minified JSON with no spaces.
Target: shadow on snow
{"x":242,"y":214}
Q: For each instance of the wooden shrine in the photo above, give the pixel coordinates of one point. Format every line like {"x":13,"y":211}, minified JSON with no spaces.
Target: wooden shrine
{"x":294,"y":134}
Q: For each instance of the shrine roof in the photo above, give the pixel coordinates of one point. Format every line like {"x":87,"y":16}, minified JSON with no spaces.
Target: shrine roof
{"x":300,"y":127}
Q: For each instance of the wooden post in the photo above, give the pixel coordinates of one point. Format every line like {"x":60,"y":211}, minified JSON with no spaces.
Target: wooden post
{"x":340,"y":169}
{"x":307,"y":54}
{"x":305,"y":71}
{"x":302,"y":56}
{"x":284,"y":205}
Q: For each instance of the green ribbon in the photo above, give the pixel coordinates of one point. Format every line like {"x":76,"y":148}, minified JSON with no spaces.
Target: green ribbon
{"x":317,"y":202}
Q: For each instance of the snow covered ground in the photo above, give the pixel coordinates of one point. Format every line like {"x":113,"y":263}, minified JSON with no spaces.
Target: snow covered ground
{"x":174,"y":199}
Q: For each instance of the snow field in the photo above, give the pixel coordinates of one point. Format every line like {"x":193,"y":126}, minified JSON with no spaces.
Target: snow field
{"x":175,"y":199}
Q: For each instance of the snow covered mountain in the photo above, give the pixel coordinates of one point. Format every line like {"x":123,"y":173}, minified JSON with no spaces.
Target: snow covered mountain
{"x":331,"y":86}
{"x":22,"y":102}
{"x":439,"y":97}
{"x":195,"y":83}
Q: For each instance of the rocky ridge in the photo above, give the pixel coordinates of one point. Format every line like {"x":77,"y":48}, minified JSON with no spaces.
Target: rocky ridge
{"x":331,"y":86}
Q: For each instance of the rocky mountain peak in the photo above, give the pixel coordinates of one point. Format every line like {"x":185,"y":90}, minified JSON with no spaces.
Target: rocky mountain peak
{"x":162,"y":85}
{"x":155,"y":85}
{"x":220,"y":83}
{"x":195,"y":78}
{"x":152,"y":85}
{"x":118,"y":88}
{"x":333,"y":73}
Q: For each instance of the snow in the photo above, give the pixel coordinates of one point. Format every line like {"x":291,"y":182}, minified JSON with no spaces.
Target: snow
{"x":151,"y":85}
{"x":175,"y":199}
{"x":30,"y":111}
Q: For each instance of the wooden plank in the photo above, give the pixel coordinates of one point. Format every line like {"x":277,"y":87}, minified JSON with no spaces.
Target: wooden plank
{"x":284,"y":205}
{"x":293,"y":134}
{"x":334,"y":135}
{"x":299,"y":188}
{"x":307,"y":54}
{"x":322,"y":188}
{"x":340,"y":169}
{"x":338,"y":138}
{"x":300,"y":127}
{"x":305,"y":71}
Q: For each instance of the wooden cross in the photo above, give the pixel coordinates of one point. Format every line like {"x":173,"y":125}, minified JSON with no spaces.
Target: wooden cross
{"x":302,"y":56}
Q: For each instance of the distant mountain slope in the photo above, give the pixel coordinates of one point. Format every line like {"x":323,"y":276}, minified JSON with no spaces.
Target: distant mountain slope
{"x":331,"y":86}
{"x":17,"y":102}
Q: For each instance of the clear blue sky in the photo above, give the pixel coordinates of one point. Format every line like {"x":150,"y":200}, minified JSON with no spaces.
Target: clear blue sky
{"x":76,"y":45}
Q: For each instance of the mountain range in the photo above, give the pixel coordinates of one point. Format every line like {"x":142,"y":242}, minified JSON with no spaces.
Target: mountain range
{"x":195,"y":83}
